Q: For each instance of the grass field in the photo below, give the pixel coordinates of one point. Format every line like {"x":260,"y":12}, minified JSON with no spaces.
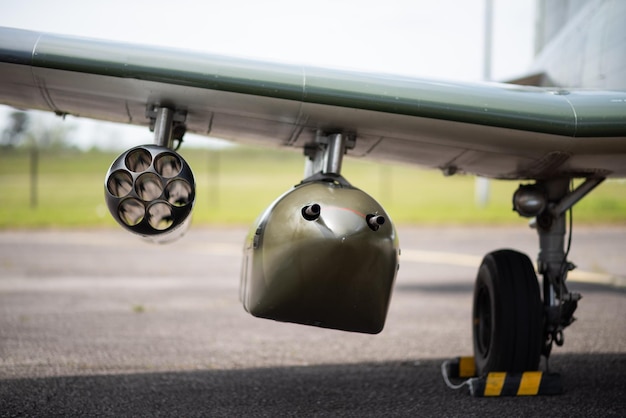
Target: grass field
{"x":234,"y":186}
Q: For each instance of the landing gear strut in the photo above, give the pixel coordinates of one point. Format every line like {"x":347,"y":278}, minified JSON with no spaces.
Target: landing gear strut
{"x":512,"y":326}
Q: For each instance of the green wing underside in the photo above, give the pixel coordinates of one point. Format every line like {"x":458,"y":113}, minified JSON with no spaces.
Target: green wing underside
{"x":495,"y":130}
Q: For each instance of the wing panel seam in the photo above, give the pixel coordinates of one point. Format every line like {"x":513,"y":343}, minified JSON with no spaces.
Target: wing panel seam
{"x":574,"y":114}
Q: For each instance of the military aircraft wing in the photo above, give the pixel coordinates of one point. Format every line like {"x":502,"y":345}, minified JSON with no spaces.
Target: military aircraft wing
{"x":494,"y":130}
{"x":325,"y":253}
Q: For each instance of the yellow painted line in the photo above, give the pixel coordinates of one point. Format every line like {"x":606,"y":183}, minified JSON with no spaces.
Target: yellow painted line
{"x":92,"y":238}
{"x":223,"y":249}
{"x":466,"y":260}
{"x":437,"y":257}
{"x":596,"y":278}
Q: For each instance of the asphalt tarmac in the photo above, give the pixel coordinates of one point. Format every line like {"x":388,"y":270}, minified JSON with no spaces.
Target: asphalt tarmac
{"x":100,"y":323}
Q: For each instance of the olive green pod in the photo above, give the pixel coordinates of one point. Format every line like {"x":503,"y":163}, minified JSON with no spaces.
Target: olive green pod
{"x":323,"y":254}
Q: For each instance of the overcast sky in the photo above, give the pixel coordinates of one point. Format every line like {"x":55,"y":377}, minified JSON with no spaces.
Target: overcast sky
{"x":434,"y":39}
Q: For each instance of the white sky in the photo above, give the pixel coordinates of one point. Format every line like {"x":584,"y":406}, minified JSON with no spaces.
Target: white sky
{"x":424,"y":38}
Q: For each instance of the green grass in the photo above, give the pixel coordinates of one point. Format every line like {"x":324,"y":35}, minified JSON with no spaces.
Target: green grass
{"x":235,"y":185}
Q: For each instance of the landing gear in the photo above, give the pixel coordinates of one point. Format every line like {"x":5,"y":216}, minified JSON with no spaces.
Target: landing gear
{"x":512,"y":326}
{"x":507,"y":317}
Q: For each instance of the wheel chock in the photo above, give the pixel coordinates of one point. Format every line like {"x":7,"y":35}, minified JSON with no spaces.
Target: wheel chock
{"x":494,"y":384}
{"x":461,"y":367}
{"x":516,"y":384}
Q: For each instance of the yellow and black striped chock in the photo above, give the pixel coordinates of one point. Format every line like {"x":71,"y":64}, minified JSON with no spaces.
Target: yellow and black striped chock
{"x":461,"y":367}
{"x":495,"y":384}
{"x":516,"y":384}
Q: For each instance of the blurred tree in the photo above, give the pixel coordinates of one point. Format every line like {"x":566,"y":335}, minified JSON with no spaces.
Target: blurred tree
{"x":34,"y":132}
{"x":15,"y":130}
{"x":34,"y":129}
{"x":52,"y":136}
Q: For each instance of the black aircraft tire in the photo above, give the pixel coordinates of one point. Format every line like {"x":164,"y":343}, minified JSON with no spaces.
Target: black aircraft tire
{"x":507,"y":314}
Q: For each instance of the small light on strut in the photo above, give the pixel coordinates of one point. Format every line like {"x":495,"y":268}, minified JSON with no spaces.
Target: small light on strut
{"x":529,"y":200}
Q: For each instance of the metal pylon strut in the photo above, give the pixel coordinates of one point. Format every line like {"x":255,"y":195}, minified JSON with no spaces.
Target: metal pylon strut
{"x":325,"y":155}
